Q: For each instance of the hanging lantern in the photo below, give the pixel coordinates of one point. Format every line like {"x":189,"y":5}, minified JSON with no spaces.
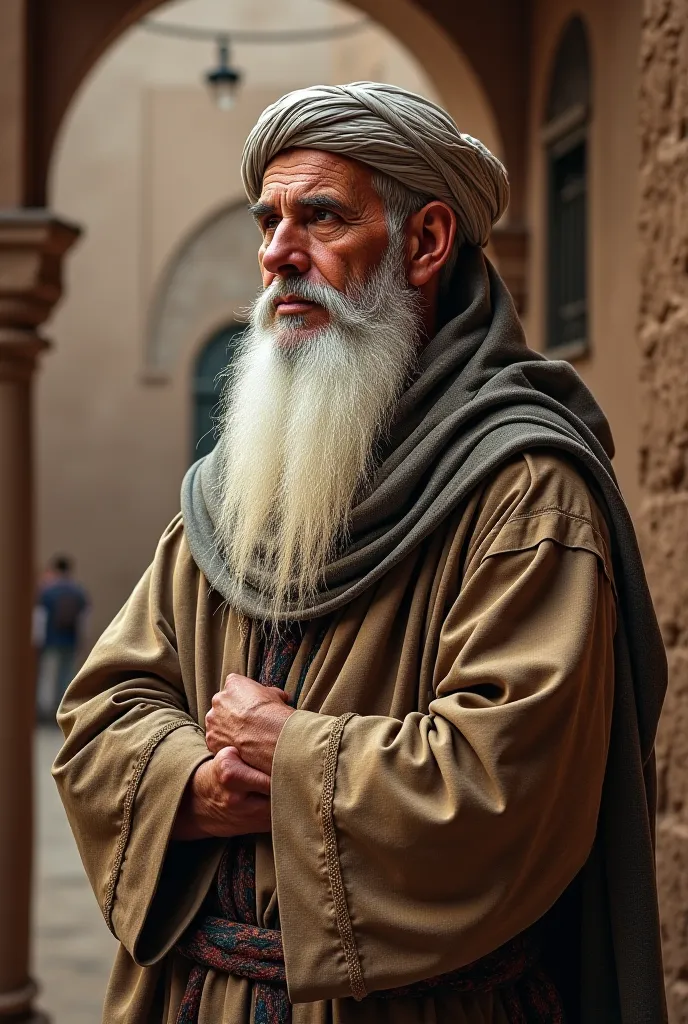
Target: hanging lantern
{"x":223,"y":80}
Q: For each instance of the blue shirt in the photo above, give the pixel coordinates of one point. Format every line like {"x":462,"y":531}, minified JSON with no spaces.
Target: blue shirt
{"x":64,"y":602}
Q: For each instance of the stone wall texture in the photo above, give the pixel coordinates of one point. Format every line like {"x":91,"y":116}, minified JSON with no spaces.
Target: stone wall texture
{"x":663,"y":331}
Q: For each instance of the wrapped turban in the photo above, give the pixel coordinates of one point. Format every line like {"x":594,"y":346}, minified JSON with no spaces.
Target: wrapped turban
{"x":394,"y":131}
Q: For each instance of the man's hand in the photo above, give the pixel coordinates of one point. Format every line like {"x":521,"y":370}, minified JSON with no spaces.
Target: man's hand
{"x":247,"y":716}
{"x":224,"y":797}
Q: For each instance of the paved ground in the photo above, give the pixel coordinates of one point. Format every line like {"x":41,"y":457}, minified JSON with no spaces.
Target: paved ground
{"x":73,"y":949}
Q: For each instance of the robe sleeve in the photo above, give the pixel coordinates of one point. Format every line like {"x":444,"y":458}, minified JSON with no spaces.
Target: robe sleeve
{"x":131,"y":745}
{"x":405,"y":849}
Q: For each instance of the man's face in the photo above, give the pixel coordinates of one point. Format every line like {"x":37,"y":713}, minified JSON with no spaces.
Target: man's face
{"x":331,"y":344}
{"x":322,"y":221}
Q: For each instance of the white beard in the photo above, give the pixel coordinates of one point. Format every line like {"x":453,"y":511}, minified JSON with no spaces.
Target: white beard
{"x":300,"y":426}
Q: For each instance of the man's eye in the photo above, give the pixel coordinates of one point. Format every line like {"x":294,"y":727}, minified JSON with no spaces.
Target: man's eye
{"x":271,"y":223}
{"x":323,"y":215}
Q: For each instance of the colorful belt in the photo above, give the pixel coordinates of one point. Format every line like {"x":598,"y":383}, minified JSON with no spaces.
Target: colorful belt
{"x":234,"y":943}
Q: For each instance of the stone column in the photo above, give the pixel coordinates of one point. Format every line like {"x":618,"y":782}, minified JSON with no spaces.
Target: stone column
{"x":664,"y":452}
{"x":32,"y":244}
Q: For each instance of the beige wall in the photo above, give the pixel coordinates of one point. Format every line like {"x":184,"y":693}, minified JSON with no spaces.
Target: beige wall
{"x":611,"y":371}
{"x":143,"y":162}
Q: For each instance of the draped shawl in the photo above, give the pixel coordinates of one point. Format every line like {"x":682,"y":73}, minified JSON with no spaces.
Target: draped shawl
{"x":481,"y":397}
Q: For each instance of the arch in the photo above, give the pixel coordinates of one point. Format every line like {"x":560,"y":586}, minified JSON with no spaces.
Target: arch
{"x":566,"y":146}
{"x":465,"y":52}
{"x":213,"y":270}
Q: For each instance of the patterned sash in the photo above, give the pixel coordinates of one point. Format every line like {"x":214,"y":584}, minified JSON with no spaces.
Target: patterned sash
{"x":233,"y":942}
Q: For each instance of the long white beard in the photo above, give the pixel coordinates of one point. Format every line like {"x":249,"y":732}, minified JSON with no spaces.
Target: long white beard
{"x":300,"y":426}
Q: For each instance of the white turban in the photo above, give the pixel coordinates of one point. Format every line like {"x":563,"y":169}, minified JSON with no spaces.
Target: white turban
{"x":394,"y":131}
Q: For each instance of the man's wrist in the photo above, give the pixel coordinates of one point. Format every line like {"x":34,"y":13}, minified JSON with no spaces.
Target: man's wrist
{"x":190,"y":821}
{"x":259,"y":749}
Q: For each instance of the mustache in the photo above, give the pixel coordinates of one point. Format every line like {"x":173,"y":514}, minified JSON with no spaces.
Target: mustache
{"x":310,"y":291}
{"x":302,"y":288}
{"x":343,"y":307}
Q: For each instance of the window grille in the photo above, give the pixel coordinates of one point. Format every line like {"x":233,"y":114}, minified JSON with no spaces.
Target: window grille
{"x":565,"y":136}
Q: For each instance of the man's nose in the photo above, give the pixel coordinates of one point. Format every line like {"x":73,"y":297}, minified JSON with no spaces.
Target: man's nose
{"x":286,"y":253}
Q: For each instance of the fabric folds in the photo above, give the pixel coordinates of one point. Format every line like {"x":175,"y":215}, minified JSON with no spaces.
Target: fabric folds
{"x":480,"y":398}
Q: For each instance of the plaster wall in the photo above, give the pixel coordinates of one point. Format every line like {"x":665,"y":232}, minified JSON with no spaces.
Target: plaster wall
{"x":612,"y":367}
{"x":143,"y":160}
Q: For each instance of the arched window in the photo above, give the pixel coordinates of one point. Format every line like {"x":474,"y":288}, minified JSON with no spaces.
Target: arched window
{"x":213,"y":358}
{"x":565,"y":135}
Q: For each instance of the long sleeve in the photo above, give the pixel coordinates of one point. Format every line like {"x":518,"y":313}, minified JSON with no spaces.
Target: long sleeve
{"x":131,"y":745}
{"x":404,"y":849}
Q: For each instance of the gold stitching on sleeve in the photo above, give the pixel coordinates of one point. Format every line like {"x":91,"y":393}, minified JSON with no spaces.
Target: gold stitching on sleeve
{"x":128,"y":810}
{"x":346,"y":932}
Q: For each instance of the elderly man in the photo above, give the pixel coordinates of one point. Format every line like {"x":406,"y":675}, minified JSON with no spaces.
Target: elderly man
{"x":372,"y":738}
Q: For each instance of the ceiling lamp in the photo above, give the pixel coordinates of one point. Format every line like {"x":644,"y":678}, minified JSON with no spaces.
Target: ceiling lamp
{"x":223,"y":80}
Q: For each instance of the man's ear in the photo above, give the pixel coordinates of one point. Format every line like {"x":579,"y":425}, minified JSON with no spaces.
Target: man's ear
{"x":430,"y":237}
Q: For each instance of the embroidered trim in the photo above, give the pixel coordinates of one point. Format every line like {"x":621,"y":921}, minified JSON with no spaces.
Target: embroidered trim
{"x":341,"y":909}
{"x":128,"y":811}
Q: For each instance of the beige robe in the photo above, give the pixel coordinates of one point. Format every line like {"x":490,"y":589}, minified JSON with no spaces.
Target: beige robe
{"x":445,"y":816}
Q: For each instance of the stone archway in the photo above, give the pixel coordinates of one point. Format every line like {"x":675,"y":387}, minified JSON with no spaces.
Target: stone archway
{"x":474,"y":57}
{"x":212,"y":272}
{"x":477,"y":50}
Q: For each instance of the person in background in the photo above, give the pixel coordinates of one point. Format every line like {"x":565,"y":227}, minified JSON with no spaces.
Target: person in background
{"x":58,"y":629}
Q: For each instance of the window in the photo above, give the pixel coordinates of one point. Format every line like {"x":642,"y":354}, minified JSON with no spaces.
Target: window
{"x":213,"y":358}
{"x":565,"y":136}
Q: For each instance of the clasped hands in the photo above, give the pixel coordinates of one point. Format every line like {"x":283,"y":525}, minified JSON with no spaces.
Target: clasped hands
{"x":229,"y":795}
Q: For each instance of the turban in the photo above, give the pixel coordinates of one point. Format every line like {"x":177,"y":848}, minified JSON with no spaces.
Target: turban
{"x":394,"y":131}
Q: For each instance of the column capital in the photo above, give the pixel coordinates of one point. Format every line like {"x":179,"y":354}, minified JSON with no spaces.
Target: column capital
{"x":32,"y":244}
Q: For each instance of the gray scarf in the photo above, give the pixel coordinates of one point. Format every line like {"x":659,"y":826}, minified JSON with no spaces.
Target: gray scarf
{"x":482,"y":396}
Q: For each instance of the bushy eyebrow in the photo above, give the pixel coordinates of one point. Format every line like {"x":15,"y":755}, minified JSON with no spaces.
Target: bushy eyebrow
{"x":258,"y":210}
{"x":317,"y":202}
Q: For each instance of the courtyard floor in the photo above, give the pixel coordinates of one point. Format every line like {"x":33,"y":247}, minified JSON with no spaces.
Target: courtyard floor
{"x":73,"y":949}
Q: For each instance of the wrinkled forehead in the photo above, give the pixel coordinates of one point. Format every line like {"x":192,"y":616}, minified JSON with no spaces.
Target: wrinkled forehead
{"x":295,"y":173}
